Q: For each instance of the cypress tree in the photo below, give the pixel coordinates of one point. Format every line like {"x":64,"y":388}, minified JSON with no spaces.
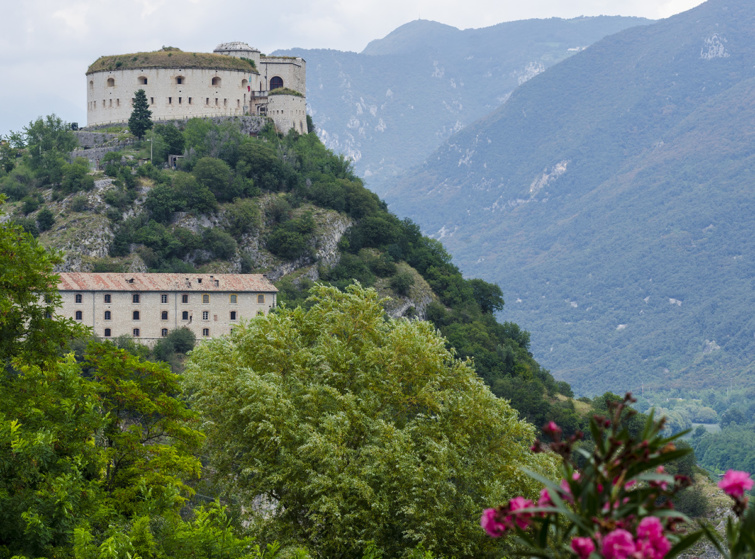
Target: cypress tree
{"x":141,"y":117}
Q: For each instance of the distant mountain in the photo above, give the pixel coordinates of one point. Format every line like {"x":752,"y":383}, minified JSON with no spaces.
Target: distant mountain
{"x":612,"y":197}
{"x":390,"y":106}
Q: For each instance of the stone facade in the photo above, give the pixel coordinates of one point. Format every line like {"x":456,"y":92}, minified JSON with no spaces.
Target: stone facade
{"x":194,"y":88}
{"x":148,"y":307}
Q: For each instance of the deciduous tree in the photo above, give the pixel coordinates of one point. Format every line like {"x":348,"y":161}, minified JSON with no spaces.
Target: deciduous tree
{"x":354,"y":427}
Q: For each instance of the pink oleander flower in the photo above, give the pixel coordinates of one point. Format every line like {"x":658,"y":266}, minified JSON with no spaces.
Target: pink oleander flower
{"x":651,"y":542}
{"x":619,"y":544}
{"x":545,"y":499}
{"x":736,"y":483}
{"x":491,"y":525}
{"x":522,"y":519}
{"x":582,"y":547}
{"x":552,"y":429}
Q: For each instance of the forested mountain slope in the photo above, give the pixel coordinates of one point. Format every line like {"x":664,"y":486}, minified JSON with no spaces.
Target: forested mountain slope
{"x":390,"y":106}
{"x":611,"y":198}
{"x":283,"y":206}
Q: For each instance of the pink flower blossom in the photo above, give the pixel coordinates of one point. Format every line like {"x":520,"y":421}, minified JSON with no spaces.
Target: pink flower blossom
{"x":582,"y":547}
{"x":552,"y":429}
{"x":491,"y":525}
{"x":545,"y":499}
{"x":736,"y":483}
{"x":651,"y":543}
{"x":522,"y":519}
{"x":618,"y":545}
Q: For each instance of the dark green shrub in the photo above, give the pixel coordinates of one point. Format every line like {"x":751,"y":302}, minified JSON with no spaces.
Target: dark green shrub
{"x":216,"y":175}
{"x":45,"y":220}
{"x":30,"y":204}
{"x":219,"y":243}
{"x":28,"y":225}
{"x":76,"y":177}
{"x":402,"y":282}
{"x":78,"y":203}
{"x":183,"y":340}
{"x":243,"y":216}
{"x":286,"y":243}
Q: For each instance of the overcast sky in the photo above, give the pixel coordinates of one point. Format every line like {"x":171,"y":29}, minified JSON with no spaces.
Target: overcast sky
{"x":46,"y":45}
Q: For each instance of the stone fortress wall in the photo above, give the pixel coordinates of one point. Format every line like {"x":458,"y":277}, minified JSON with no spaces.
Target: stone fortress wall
{"x":186,"y":86}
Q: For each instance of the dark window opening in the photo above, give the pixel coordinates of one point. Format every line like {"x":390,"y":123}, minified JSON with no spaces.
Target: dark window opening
{"x":276,"y":82}
{"x":107,"y":315}
{"x":78,"y":298}
{"x":107,"y":332}
{"x":79,"y":316}
{"x":164,"y":315}
{"x":136,"y":315}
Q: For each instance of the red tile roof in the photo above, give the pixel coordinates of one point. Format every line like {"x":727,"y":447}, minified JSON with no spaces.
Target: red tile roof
{"x":165,"y":282}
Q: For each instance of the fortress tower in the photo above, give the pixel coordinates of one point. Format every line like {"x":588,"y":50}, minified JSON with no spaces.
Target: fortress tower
{"x":234,"y":80}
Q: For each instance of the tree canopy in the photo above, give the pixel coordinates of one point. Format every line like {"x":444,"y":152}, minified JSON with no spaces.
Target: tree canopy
{"x":350,"y":427}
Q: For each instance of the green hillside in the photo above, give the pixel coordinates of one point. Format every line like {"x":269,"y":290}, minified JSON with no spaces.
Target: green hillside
{"x":280,"y":205}
{"x":611,"y":198}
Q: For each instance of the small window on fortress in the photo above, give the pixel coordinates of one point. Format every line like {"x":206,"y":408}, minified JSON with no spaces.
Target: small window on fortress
{"x":185,"y":315}
{"x":216,"y":101}
{"x":117,"y":102}
{"x":180,"y":99}
{"x":189,"y":100}
{"x":164,"y":315}
{"x":151,"y":100}
{"x":136,"y":332}
{"x":205,"y":332}
{"x":107,"y":332}
{"x":170,"y":100}
{"x":111,"y":103}
{"x":79,"y":298}
{"x":78,"y":315}
{"x":234,"y":298}
{"x":276,"y":82}
{"x":142,"y":80}
{"x":91,"y":84}
{"x":244,"y":83}
{"x":225,"y":102}
{"x":260,"y":299}
{"x":238,"y":103}
{"x":108,"y":298}
{"x":207,"y":101}
{"x":216,"y":81}
{"x":111,"y":82}
{"x":205,"y":298}
{"x":179,"y":80}
{"x":108,"y":316}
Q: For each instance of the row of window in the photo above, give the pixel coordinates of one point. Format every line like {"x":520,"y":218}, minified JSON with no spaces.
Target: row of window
{"x":275,"y":82}
{"x":163,"y":315}
{"x":136,"y":298}
{"x":164,"y":332}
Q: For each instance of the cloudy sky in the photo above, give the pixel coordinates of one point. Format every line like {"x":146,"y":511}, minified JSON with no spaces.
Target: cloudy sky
{"x":46,"y":45}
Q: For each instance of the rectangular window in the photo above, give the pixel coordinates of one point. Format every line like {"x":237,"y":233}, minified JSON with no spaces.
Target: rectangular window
{"x":189,"y":100}
{"x":233,"y":315}
{"x":234,"y":299}
{"x":207,"y":101}
{"x":108,"y":298}
{"x":260,"y":299}
{"x":134,"y":297}
{"x":185,"y":315}
{"x":78,"y":315}
{"x":107,"y":315}
{"x":164,"y":298}
{"x":117,"y":102}
{"x":164,"y":332}
{"x":136,"y":315}
{"x":164,"y":315}
{"x":205,"y":332}
{"x":151,"y":100}
{"x":78,"y":298}
{"x":180,"y":99}
{"x":107,"y":332}
{"x":136,"y":332}
{"x":205,"y":315}
{"x":170,"y":100}
{"x":184,"y":298}
{"x":225,"y":102}
{"x":205,"y":298}
{"x":216,"y":101}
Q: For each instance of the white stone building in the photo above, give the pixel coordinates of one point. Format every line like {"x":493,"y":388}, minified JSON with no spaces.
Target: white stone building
{"x":234,"y":80}
{"x":148,"y":307}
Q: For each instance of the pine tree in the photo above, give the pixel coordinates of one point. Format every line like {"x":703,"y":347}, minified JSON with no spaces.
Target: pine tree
{"x":141,"y":117}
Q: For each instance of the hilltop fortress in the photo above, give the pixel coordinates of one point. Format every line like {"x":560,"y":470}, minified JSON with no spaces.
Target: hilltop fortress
{"x":233,"y":80}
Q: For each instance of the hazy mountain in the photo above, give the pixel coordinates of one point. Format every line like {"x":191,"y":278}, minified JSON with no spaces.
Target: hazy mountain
{"x":612,"y":198}
{"x":390,"y":106}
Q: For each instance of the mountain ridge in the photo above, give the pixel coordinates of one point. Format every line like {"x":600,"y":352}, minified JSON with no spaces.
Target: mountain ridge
{"x":614,"y":176}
